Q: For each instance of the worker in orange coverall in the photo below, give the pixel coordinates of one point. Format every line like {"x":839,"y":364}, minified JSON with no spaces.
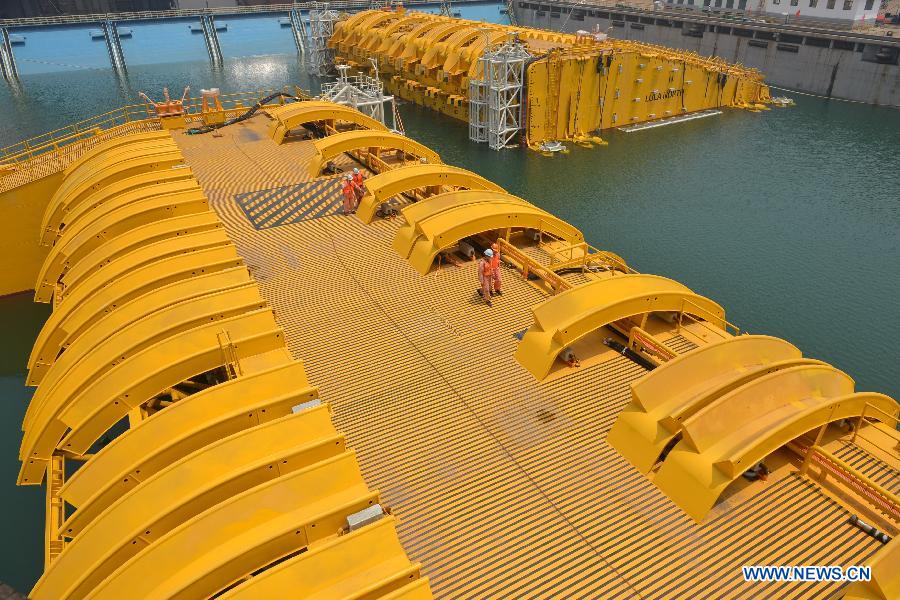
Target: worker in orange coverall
{"x":349,"y":192}
{"x":486,"y":275}
{"x":358,"y":184}
{"x":495,"y":269}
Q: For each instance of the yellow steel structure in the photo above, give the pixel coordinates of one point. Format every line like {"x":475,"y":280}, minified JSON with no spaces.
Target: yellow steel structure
{"x":368,"y":563}
{"x":741,"y":428}
{"x":183,"y":490}
{"x":373,"y":142}
{"x":291,"y":116}
{"x":431,"y":59}
{"x":885,"y":582}
{"x":185,"y":427}
{"x":441,"y":221}
{"x":384,"y":186}
{"x":92,"y":177}
{"x":225,"y":476}
{"x":84,"y":236}
{"x":69,"y":320}
{"x":568,"y":317}
{"x":224,"y":461}
{"x":653,"y":417}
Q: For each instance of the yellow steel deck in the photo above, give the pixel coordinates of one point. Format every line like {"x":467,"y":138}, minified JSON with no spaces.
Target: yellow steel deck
{"x":504,"y":486}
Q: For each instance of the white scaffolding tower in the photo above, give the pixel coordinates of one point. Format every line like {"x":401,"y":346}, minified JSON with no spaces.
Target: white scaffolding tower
{"x":495,"y":101}
{"x":364,"y":93}
{"x":320,"y":58}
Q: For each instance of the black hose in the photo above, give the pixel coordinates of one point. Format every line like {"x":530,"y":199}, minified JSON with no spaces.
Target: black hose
{"x":243,"y":117}
{"x":629,"y":354}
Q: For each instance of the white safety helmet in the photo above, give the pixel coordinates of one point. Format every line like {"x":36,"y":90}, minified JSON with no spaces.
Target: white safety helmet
{"x":348,"y":177}
{"x":355,"y":171}
{"x":489,"y":253}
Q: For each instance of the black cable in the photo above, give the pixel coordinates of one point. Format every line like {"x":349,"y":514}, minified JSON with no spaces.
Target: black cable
{"x":243,"y":117}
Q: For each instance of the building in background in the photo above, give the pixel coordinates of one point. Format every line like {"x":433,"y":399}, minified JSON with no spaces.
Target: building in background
{"x":841,"y":12}
{"x":13,"y":9}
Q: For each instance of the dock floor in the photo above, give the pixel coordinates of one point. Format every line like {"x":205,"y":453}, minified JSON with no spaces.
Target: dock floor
{"x":504,"y":487}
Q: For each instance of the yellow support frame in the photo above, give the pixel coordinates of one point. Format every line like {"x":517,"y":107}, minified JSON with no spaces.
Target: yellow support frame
{"x":239,"y":536}
{"x":143,"y":235}
{"x":386,"y":185}
{"x":186,"y":426}
{"x":68,"y":321}
{"x":183,"y":490}
{"x":114,"y":143}
{"x":366,"y":563}
{"x":741,"y":428}
{"x":677,"y":389}
{"x":118,"y":216}
{"x":569,"y":316}
{"x":291,"y":116}
{"x":348,"y":141}
{"x":97,"y":356}
{"x":441,"y":221}
{"x":127,"y":263}
{"x":67,"y":197}
{"x":151,"y":182}
{"x":112,"y":322}
{"x":885,"y":581}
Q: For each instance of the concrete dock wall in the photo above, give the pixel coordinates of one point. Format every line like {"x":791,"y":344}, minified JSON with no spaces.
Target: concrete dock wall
{"x":828,"y":63}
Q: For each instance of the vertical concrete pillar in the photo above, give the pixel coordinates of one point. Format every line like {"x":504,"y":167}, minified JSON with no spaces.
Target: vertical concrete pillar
{"x":114,"y":46}
{"x":298,"y":30}
{"x":7,"y":59}
{"x":212,"y":38}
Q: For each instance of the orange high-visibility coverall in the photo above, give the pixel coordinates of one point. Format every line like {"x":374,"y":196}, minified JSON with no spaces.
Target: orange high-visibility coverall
{"x":358,"y":180}
{"x":495,"y":270}
{"x":485,"y":275}
{"x":349,"y":192}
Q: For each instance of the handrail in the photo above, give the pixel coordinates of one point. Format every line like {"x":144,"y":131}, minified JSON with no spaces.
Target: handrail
{"x":890,"y":432}
{"x":34,"y":146}
{"x":637,"y":335}
{"x":725,"y":323}
{"x":856,"y":481}
{"x":590,"y":254}
{"x":529,"y":265}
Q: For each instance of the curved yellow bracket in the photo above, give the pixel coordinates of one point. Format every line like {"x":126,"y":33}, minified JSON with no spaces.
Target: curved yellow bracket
{"x":571,"y":315}
{"x":441,"y":221}
{"x":68,"y":321}
{"x":291,"y":116}
{"x":184,"y":489}
{"x":677,"y":389}
{"x":885,"y":581}
{"x":70,"y":194}
{"x":243,"y":534}
{"x":131,"y":383}
{"x":188,"y":425}
{"x":384,"y":186}
{"x":371,"y":558}
{"x":143,"y":255}
{"x":741,"y":428}
{"x":116,"y":143}
{"x":104,"y":354}
{"x":112,"y":321}
{"x":131,"y":241}
{"x":124,"y":214}
{"x":84,"y":209}
{"x":330,"y":147}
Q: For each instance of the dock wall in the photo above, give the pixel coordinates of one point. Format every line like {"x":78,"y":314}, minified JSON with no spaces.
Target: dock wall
{"x":834,"y":64}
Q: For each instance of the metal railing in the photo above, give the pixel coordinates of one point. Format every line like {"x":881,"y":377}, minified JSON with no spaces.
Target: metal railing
{"x":180,"y":13}
{"x":708,"y":318}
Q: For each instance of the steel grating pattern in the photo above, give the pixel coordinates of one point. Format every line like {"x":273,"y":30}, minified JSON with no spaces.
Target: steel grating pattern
{"x":503,"y":487}
{"x":293,"y":203}
{"x":877,"y":470}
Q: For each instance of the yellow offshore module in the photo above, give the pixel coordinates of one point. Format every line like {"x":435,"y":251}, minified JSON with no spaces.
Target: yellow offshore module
{"x":242,"y":393}
{"x":574,"y":85}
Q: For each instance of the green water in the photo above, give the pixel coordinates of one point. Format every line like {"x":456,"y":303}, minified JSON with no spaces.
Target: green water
{"x":788,"y":218}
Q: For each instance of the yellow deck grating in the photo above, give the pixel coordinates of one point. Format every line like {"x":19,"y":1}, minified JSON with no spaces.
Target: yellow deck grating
{"x":503,"y":486}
